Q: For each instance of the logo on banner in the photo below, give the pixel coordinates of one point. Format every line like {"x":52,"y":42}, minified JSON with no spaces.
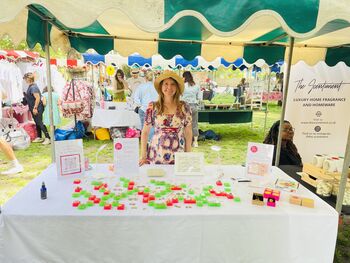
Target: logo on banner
{"x":317,"y":129}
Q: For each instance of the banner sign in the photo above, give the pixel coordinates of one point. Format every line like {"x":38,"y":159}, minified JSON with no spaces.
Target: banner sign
{"x":318,"y":107}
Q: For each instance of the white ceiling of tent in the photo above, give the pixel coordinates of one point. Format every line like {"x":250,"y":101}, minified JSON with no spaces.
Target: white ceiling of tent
{"x":138,"y":19}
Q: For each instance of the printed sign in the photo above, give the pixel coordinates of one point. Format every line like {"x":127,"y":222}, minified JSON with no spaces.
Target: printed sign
{"x":69,"y":157}
{"x":318,"y":105}
{"x":126,"y":156}
{"x":189,"y":163}
{"x":259,"y":158}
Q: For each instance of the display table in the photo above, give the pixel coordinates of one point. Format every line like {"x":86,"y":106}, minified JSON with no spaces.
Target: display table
{"x":115,"y":118}
{"x":51,"y":230}
{"x":225,"y":116}
{"x":292,"y":170}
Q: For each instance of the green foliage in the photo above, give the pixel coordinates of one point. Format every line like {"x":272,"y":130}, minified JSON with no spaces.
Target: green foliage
{"x":7,"y":44}
{"x":126,"y":70}
{"x":342,"y":250}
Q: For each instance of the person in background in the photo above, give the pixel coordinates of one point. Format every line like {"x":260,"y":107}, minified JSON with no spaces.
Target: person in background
{"x":119,"y":87}
{"x":145,"y":94}
{"x":192,"y":95}
{"x":241,"y":88}
{"x":135,"y":81}
{"x":289,"y":152}
{"x":36,"y":107}
{"x":171,"y":119}
{"x":56,"y":102}
{"x":6,"y":148}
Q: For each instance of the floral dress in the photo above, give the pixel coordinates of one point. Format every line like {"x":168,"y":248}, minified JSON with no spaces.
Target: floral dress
{"x":169,"y":134}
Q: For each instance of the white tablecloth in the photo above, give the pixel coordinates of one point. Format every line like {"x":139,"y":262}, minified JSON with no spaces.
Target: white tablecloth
{"x":52,"y":230}
{"x":115,"y":118}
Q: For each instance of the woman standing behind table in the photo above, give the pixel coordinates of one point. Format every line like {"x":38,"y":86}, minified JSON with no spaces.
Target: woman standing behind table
{"x":289,"y":153}
{"x":171,"y":119}
{"x":192,"y":95}
{"x":119,"y":87}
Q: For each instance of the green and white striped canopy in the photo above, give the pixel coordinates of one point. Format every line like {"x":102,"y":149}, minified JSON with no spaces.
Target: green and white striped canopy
{"x":230,"y":29}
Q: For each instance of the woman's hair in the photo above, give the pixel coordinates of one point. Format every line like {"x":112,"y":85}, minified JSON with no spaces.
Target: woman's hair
{"x":30,"y":77}
{"x":188,"y":78}
{"x":121,"y":72}
{"x":272,"y":137}
{"x":159,"y":104}
{"x":120,"y":84}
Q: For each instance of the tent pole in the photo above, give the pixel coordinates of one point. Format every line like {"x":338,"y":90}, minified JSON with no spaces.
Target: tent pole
{"x":49,"y":89}
{"x":267,"y":100}
{"x":344,"y":176}
{"x":285,"y":93}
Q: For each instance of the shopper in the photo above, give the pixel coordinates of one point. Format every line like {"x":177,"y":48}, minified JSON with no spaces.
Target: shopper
{"x":135,"y":81}
{"x":36,"y":107}
{"x":241,"y":88}
{"x":145,"y":94}
{"x":119,"y":87}
{"x":56,"y":102}
{"x":289,"y":153}
{"x":192,"y":95}
{"x":171,"y":119}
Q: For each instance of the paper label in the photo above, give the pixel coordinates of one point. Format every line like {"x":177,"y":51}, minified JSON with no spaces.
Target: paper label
{"x":126,"y":156}
{"x":259,"y":158}
{"x":189,"y":163}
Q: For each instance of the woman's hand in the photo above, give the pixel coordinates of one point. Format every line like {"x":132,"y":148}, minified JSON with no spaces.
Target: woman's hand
{"x":143,"y":161}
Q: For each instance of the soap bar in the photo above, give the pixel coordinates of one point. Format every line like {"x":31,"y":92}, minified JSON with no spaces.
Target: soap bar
{"x":155,"y":172}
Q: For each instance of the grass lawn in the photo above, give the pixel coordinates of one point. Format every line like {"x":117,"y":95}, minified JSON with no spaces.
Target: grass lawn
{"x":234,"y":143}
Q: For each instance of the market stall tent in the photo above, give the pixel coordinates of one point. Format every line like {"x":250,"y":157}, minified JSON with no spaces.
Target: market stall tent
{"x":231,"y":29}
{"x":175,"y":62}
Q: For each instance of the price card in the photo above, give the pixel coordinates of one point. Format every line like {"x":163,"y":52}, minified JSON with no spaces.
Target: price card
{"x":259,"y":158}
{"x":126,"y":156}
{"x":69,"y":157}
{"x":189,"y":163}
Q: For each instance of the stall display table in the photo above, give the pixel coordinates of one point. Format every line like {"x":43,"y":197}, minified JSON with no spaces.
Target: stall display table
{"x":115,"y":118}
{"x":225,"y":116}
{"x":52,"y":230}
{"x":292,"y":170}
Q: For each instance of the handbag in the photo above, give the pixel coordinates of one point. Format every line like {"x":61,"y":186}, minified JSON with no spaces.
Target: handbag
{"x":70,"y":134}
{"x":72,"y":105}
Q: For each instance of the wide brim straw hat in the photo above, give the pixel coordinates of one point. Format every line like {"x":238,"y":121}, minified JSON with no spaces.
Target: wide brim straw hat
{"x":135,"y":71}
{"x":169,"y":74}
